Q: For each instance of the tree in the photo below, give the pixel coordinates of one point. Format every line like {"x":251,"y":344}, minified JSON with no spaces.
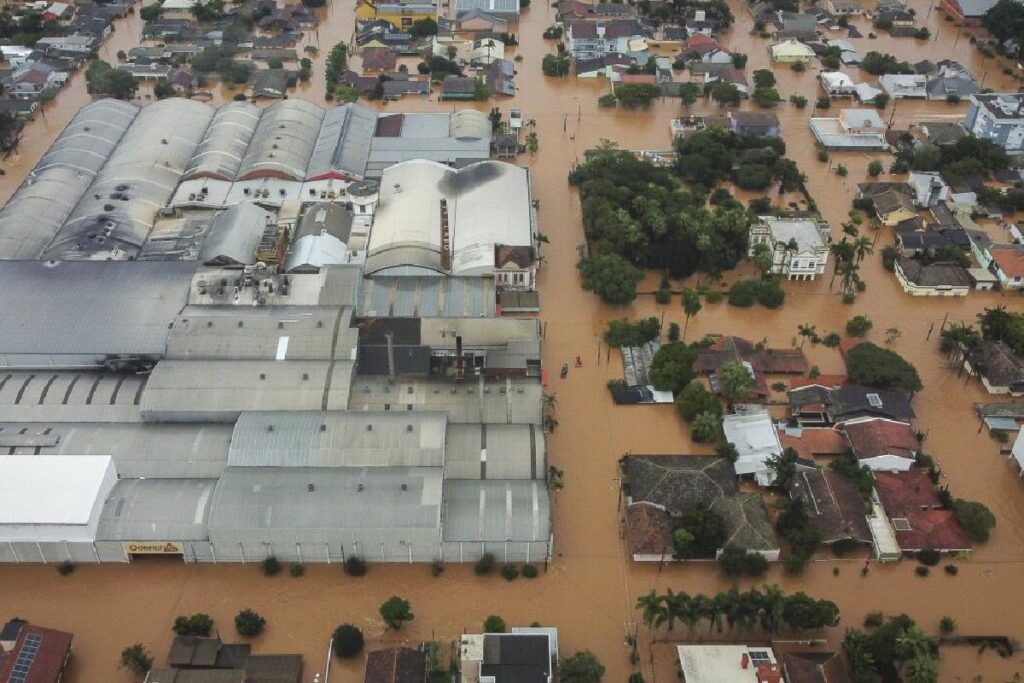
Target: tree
{"x":654,"y":612}
{"x":736,"y":561}
{"x":688,"y":94}
{"x":766,"y":97}
{"x":947,"y":625}
{"x":691,"y":307}
{"x":555,"y":65}
{"x":1005,"y":21}
{"x":763,"y":259}
{"x":395,"y":612}
{"x":195,"y":625}
{"x":764,"y":78}
{"x":875,"y":168}
{"x":136,"y":659}
{"x":726,"y":94}
{"x":355,"y":566}
{"x":873,"y":366}
{"x":494,"y":624}
{"x":703,"y":534}
{"x":335,"y":65}
{"x":305,"y":69}
{"x":923,"y":668}
{"x":807,"y":331}
{"x":976,"y":519}
{"x":347,"y":641}
{"x":424,"y":27}
{"x":637,"y":95}
{"x":882,"y":100}
{"x":783,"y":467}
{"x":694,"y":400}
{"x":611,"y":277}
{"x":162,"y":90}
{"x":736,"y":381}
{"x":249,"y":623}
{"x":103,"y":79}
{"x":739,"y":60}
{"x":705,"y":427}
{"x":858,"y":325}
{"x":672,"y":367}
{"x":582,"y":667}
{"x":532,"y":142}
{"x":151,"y":12}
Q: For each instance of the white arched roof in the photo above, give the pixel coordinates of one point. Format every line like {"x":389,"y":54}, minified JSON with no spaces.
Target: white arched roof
{"x":283,"y":142}
{"x":220,"y":153}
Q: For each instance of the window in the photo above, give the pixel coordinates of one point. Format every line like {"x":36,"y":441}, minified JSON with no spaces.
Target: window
{"x":874,"y":400}
{"x":901,"y":524}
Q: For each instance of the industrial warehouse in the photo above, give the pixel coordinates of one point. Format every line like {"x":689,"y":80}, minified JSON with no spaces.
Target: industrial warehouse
{"x":197,"y":362}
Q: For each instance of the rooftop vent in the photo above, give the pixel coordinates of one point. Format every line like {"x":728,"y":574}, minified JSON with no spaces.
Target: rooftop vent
{"x":369,"y":428}
{"x":359,"y":488}
{"x":408,"y":428}
{"x":323,"y":428}
{"x":311,"y":488}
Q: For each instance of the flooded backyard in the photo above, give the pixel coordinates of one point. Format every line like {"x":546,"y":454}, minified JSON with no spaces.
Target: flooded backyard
{"x":590,"y":588}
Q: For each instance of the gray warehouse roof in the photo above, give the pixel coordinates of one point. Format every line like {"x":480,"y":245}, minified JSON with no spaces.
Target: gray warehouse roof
{"x":495,"y":511}
{"x":68,"y":396}
{"x":338,"y":439}
{"x":117,"y":212}
{"x":428,"y":296}
{"x":343,"y":145}
{"x":156,"y":510}
{"x":470,"y":402}
{"x":171,"y":451}
{"x":215,"y":391}
{"x":477,"y":451}
{"x":234,"y":235}
{"x":89,"y":309}
{"x":220,"y":153}
{"x":283,"y":142}
{"x":264,"y":333}
{"x":326,"y":499}
{"x":51,"y":190}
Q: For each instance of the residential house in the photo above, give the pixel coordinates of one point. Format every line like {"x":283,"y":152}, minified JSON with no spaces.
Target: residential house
{"x":872,"y":190}
{"x":998,"y":368}
{"x":915,"y":512}
{"x":20,"y":109}
{"x":272,"y":54}
{"x":377,"y":59}
{"x":709,"y":74}
{"x":866,"y":92}
{"x":941,"y":133}
{"x":704,"y":49}
{"x":396,"y":665}
{"x":893,"y":207}
{"x":479,"y":21}
{"x":485,"y":51}
{"x":271,"y":83}
{"x":920,"y":278}
{"x":796,"y":21}
{"x":733,"y":663}
{"x":820,"y":405}
{"x":400,"y":13}
{"x":900,"y":86}
{"x":791,"y":51}
{"x":806,"y":37}
{"x":999,"y":118}
{"x":399,"y":84}
{"x":500,"y":77}
{"x":883,"y":444}
{"x":840,"y":7}
{"x":1008,"y":265}
{"x":761,"y":124}
{"x":929,"y":188}
{"x":898,"y":17}
{"x":61,"y":12}
{"x":966,"y":12}
{"x":503,"y":9}
{"x":657,"y":488}
{"x":799,"y":246}
{"x":16,"y":56}
{"x":759,"y":360}
{"x":602,"y":66}
{"x":573,"y":10}
{"x":33,"y":654}
{"x":525,"y":654}
{"x":756,"y":441}
{"x":814,"y":667}
{"x":833,"y":503}
{"x":177,"y":8}
{"x":28,"y":82}
{"x":837,"y":84}
{"x":921,"y":243}
{"x":588,"y":39}
{"x":458,"y":88}
{"x":955,"y":86}
{"x":697,"y":22}
{"x":851,"y":129}
{"x":848,"y":54}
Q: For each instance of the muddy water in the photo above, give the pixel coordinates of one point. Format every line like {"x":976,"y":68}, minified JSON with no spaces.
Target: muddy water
{"x":590,"y":587}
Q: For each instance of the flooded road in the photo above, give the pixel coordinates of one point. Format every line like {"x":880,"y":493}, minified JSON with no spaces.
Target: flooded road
{"x":590,"y":588}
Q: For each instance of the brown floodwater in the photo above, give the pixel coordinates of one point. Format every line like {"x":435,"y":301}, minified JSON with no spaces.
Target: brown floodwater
{"x":590,"y":588}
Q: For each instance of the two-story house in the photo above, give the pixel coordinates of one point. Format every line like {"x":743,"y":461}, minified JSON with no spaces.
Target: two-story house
{"x":999,"y":118}
{"x":589,"y":39}
{"x":799,"y":246}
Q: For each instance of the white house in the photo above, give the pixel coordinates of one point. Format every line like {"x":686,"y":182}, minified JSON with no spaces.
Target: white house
{"x":728,"y":663}
{"x":929,"y":189}
{"x":756,"y":441}
{"x":901,"y":86}
{"x":837,"y":84}
{"x":799,"y":246}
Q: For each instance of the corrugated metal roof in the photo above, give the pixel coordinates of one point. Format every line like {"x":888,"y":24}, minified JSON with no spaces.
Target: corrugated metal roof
{"x":58,"y":181}
{"x":326,"y":499}
{"x":265,"y":333}
{"x":496,"y":511}
{"x":91,"y":308}
{"x":156,"y":510}
{"x":283,"y":142}
{"x":139,"y":450}
{"x":338,"y":439}
{"x":471,"y":297}
{"x":497,"y":451}
{"x":343,"y":144}
{"x":220,"y":153}
{"x":234,"y":234}
{"x":117,"y":212}
{"x":505,"y":402}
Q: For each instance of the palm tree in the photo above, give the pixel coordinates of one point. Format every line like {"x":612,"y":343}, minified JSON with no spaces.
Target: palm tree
{"x":653,"y":612}
{"x":550,"y":402}
{"x":844,"y":252}
{"x":772,"y":605}
{"x":807,"y":331}
{"x":864,"y":246}
{"x":691,"y":307}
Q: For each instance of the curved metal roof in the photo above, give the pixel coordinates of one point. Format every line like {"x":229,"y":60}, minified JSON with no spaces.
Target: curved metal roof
{"x":470,"y":124}
{"x":283,"y":142}
{"x":343,"y":144}
{"x":220,"y":153}
{"x":52,"y":189}
{"x":117,"y":212}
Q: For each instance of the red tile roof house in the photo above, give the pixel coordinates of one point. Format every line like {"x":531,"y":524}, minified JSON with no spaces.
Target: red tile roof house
{"x":915,"y":512}
{"x":883,"y":445}
{"x":38,"y":655}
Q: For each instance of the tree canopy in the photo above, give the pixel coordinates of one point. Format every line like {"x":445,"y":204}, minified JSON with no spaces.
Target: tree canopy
{"x":103,"y":79}
{"x":672,"y":367}
{"x":699,"y":534}
{"x":1005,"y":21}
{"x":582,"y":667}
{"x":395,"y":611}
{"x":611,"y":277}
{"x":873,"y":366}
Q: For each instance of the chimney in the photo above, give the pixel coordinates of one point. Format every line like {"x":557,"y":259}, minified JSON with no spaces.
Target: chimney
{"x":769,"y":673}
{"x":391,"y":355}
{"x":459,"y":370}
{"x":446,"y":246}
{"x":744,"y":660}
